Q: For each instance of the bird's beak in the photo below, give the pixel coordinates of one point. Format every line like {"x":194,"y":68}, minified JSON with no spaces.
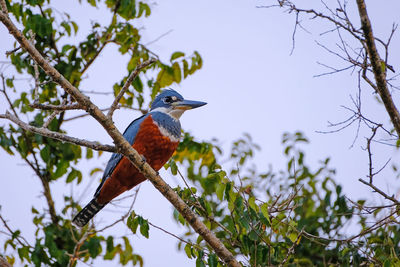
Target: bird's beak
{"x":188,"y":104}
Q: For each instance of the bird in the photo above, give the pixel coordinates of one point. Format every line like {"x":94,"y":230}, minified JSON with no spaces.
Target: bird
{"x":155,"y":136}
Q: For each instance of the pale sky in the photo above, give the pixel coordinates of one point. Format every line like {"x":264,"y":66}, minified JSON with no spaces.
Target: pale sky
{"x":251,"y":83}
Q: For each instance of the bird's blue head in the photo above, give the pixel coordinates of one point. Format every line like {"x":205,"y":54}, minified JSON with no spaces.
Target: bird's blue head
{"x":171,"y":102}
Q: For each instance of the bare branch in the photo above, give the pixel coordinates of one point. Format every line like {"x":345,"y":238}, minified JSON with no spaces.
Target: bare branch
{"x":128,"y":82}
{"x":96,"y":93}
{"x":177,"y":237}
{"x":376,"y":62}
{"x":123,"y":217}
{"x":3,"y":6}
{"x":385,"y":220}
{"x":21,"y":240}
{"x":7,"y":97}
{"x":58,"y":136}
{"x":10,"y":52}
{"x":53,"y":115}
{"x":56,"y":107}
{"x":159,"y":38}
{"x":370,"y":154}
{"x":376,"y":189}
{"x":4,"y":262}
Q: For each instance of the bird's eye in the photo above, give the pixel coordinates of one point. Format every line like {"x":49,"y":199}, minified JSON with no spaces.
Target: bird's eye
{"x":168,"y":100}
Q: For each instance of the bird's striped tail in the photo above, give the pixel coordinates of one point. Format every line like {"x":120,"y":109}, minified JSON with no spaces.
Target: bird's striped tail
{"x":87,"y":213}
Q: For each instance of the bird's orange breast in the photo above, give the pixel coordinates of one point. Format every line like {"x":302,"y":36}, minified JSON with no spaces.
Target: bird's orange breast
{"x":150,"y":143}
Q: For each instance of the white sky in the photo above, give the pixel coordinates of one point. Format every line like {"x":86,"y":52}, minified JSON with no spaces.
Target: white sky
{"x":251,"y":84}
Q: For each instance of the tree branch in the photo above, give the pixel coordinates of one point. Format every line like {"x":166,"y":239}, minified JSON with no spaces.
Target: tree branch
{"x":73,"y":257}
{"x":376,"y":189}
{"x":35,"y":168}
{"x":4,"y":262}
{"x":58,"y":136}
{"x":123,"y":146}
{"x":128,"y":82}
{"x":20,"y":239}
{"x":378,"y":66}
{"x":3,"y":6}
{"x":56,"y":107}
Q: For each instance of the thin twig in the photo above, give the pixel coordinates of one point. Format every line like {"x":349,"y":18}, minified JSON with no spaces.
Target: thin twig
{"x":177,"y":237}
{"x":128,"y":82}
{"x":376,"y":189}
{"x":123,"y":217}
{"x":370,"y":154}
{"x":291,"y":249}
{"x":56,"y":107}
{"x":21,"y":240}
{"x":10,"y":52}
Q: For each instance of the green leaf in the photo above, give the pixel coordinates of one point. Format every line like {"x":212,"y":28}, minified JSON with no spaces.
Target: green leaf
{"x":67,"y":27}
{"x":252,"y":203}
{"x":23,"y":253}
{"x":95,"y":170}
{"x":200,"y":262}
{"x":10,"y":83}
{"x":89,"y":153}
{"x":39,"y":25}
{"x":92,"y":2}
{"x":264,"y":211}
{"x":244,"y":222}
{"x":177,"y":55}
{"x":75,"y":26}
{"x":220,"y":190}
{"x":143,"y":7}
{"x":174,"y":167}
{"x":185,"y":68}
{"x":110,"y":249}
{"x":177,"y":72}
{"x":165,"y":77}
{"x":74,"y":173}
{"x":34,"y":211}
{"x":144,"y":229}
{"x":94,"y":247}
{"x":188,"y":250}
{"x":127,"y":9}
{"x":45,"y":153}
{"x":212,"y":260}
{"x":292,"y":236}
{"x":61,"y":169}
{"x":132,"y":223}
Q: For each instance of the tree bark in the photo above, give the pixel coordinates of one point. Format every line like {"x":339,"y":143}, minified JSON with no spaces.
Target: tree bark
{"x":378,"y":67}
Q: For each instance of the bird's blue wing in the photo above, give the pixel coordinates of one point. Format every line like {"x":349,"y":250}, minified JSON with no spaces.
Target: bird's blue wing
{"x":129,"y":134}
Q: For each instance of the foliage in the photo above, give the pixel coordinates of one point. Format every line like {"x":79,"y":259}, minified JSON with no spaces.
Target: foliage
{"x":54,"y":34}
{"x":263,"y":216}
{"x":296,"y":216}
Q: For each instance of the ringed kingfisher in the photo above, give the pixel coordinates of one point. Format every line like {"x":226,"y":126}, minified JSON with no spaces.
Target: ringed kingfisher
{"x":155,"y":136}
